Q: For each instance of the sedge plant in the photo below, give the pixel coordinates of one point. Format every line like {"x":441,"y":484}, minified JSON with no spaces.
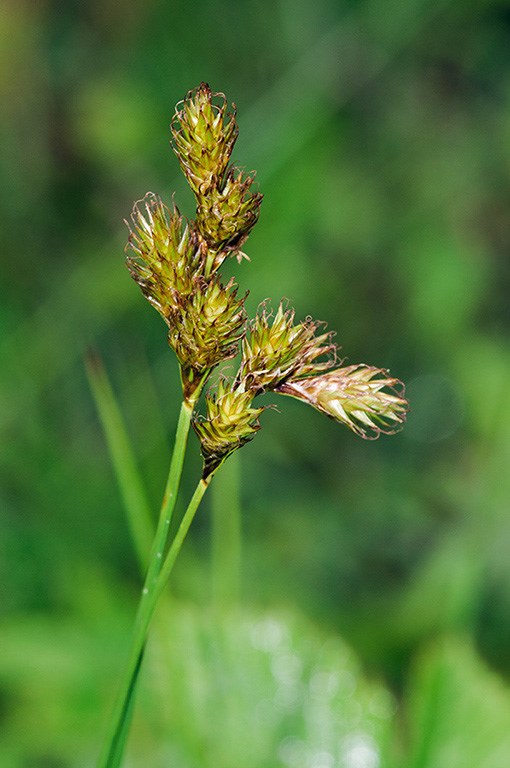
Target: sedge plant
{"x":177,"y":264}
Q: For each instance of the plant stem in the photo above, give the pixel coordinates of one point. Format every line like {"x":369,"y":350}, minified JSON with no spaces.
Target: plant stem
{"x":117,"y":734}
{"x":169,"y":498}
{"x":117,"y":730}
{"x":176,"y":545}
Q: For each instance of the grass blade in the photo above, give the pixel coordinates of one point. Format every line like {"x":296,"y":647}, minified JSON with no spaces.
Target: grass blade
{"x":123,"y":459}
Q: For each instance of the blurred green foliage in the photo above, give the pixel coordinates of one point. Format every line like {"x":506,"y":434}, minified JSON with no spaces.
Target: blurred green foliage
{"x":380,"y":132}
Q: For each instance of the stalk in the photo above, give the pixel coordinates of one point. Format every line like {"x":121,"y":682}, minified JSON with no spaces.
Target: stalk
{"x":176,"y":545}
{"x":118,"y":728}
{"x":117,"y":735}
{"x":170,"y":495}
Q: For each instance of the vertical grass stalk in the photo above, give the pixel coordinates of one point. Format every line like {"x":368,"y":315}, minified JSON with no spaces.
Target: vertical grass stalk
{"x":118,"y":729}
{"x":176,"y":263}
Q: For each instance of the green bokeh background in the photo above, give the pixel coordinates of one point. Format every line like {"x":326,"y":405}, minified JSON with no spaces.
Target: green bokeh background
{"x":380,"y":132}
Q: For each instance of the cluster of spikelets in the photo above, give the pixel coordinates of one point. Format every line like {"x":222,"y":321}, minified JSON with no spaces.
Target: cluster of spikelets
{"x":176,"y":263}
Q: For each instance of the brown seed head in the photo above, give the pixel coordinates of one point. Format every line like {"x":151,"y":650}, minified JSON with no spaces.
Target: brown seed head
{"x":363,"y":398}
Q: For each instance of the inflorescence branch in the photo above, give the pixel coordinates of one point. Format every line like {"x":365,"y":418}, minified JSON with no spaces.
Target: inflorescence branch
{"x":176,"y":263}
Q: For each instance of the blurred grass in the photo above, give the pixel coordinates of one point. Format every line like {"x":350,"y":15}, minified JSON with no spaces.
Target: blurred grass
{"x":380,"y":134}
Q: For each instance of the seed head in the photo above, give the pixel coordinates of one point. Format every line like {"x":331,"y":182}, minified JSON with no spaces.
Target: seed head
{"x":176,"y":263}
{"x":357,"y":396}
{"x":231,"y":422}
{"x":226,"y":216}
{"x":163,"y":253}
{"x":205,"y":329}
{"x":204,"y":135}
{"x":276,"y":351}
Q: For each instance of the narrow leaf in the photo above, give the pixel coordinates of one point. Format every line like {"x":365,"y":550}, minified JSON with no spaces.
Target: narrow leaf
{"x":123,"y":459}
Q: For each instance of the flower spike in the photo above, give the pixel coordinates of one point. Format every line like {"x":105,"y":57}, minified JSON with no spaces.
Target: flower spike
{"x":357,"y":396}
{"x":163,"y":253}
{"x":176,"y":263}
{"x":205,"y":329}
{"x":231,"y":422}
{"x":204,"y":134}
{"x":227,"y":215}
{"x":276,"y":351}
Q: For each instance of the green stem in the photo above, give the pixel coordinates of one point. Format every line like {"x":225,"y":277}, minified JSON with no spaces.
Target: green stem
{"x":167,"y":507}
{"x":176,"y":545}
{"x":122,"y":708}
{"x":117,"y":734}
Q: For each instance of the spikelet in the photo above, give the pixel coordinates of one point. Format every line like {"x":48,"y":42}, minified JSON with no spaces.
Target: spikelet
{"x":205,"y":329}
{"x":276,"y":351}
{"x":231,"y":422}
{"x":163,"y":254}
{"x":204,"y":134}
{"x":365,"y":399}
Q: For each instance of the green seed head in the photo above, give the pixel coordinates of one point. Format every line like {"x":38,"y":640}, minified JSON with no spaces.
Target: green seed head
{"x":279,"y":350}
{"x":226,"y":216}
{"x":163,"y":253}
{"x":205,"y":329}
{"x":204,"y":134}
{"x":176,"y":264}
{"x":231,"y":422}
{"x":203,"y":138}
{"x":363,"y":398}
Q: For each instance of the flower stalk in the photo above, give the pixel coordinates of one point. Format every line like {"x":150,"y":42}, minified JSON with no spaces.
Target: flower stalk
{"x":155,"y":582}
{"x":176,"y":264}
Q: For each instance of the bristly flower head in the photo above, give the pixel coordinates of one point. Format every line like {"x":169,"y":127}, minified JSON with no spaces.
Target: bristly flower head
{"x":164,"y":253}
{"x":176,"y":263}
{"x":357,"y":396}
{"x":276,"y":351}
{"x":231,"y":422}
{"x":227,"y":215}
{"x":204,"y":134}
{"x":205,"y":329}
{"x":227,"y":209}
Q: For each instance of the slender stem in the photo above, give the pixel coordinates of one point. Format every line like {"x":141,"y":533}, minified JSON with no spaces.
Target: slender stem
{"x":176,"y":545}
{"x":126,"y":727}
{"x":167,"y":507}
{"x":119,"y":743}
{"x":122,"y":708}
{"x":112,"y":753}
